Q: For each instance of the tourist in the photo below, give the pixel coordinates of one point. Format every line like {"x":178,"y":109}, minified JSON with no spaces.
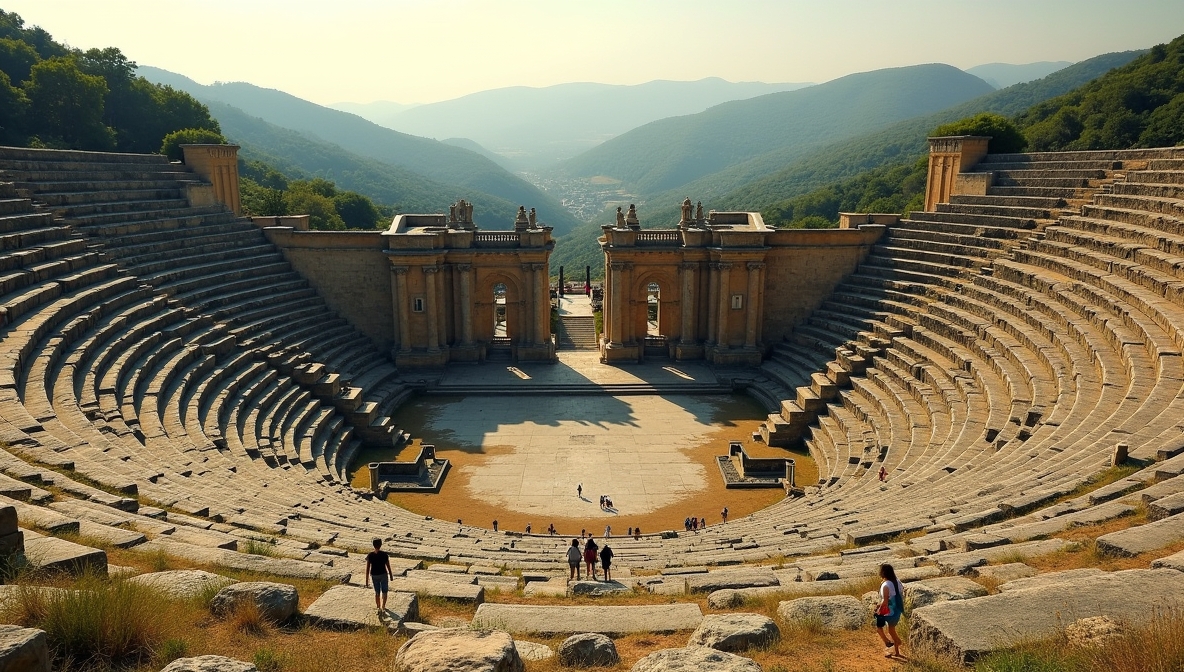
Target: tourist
{"x":686,"y":524}
{"x":495,"y":524}
{"x":629,"y":533}
{"x":583,"y":532}
{"x":551,"y":529}
{"x":637,"y":534}
{"x":573,"y":560}
{"x":378,"y":570}
{"x":590,"y":550}
{"x":602,"y":498}
{"x":606,"y":560}
{"x":724,"y":514}
{"x":890,"y":609}
{"x":883,"y":474}
{"x":608,"y":531}
{"x":580,"y":490}
{"x":528,"y":528}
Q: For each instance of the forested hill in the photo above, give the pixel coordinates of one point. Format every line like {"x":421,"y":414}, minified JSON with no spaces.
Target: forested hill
{"x":299,"y":156}
{"x":534,"y":128}
{"x":666,"y":154}
{"x":436,"y":160}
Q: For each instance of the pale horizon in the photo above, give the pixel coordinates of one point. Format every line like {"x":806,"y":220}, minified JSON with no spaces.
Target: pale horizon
{"x":419,"y":51}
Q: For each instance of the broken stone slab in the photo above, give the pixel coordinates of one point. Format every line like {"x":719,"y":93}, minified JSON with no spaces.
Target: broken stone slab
{"x":484,"y":570}
{"x":1004,"y":573}
{"x":735,"y":632}
{"x":588,"y":649}
{"x":41,"y":517}
{"x":968,"y":629}
{"x":606,"y":620}
{"x":931,"y":591}
{"x":1143,"y":538}
{"x":694,"y":659}
{"x":1174,"y":561}
{"x":115,"y":536}
{"x":493,"y":582}
{"x":834,"y":611}
{"x":457,"y":592}
{"x":668,"y":588}
{"x":460,"y":650}
{"x":351,"y":608}
{"x":961,"y":563}
{"x":598,"y":588}
{"x":1048,"y":579}
{"x":296,"y":569}
{"x":183,"y":584}
{"x":1166,"y":506}
{"x":8,"y":519}
{"x":447,"y":569}
{"x":730,"y":598}
{"x":533,"y":651}
{"x":548,"y":588}
{"x":677,"y":571}
{"x":51,"y":553}
{"x":276,"y":602}
{"x":441,"y":577}
{"x":23,"y":650}
{"x":209,"y":664}
{"x":740,"y":578}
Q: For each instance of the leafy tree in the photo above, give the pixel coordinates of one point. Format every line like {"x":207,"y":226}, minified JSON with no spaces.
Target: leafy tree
{"x":357,"y":211}
{"x":262,"y":174}
{"x":302,"y":199}
{"x":894,"y":188}
{"x":17,"y":59}
{"x":13,"y":26}
{"x":1006,"y":137}
{"x":13,"y":105}
{"x":171,"y":146}
{"x":67,"y":104}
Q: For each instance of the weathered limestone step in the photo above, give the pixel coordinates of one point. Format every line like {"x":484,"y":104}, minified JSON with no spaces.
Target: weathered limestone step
{"x":739,"y":578}
{"x":182,"y":584}
{"x":53,"y":554}
{"x":968,"y":629}
{"x":1143,"y":538}
{"x":352,"y":608}
{"x":298,"y":569}
{"x":23,"y":650}
{"x":546,"y":620}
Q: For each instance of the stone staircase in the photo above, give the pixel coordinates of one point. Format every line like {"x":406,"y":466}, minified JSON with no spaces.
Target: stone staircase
{"x":578,"y":332}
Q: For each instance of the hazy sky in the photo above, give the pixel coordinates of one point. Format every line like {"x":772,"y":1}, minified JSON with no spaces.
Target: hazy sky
{"x":427,"y":50}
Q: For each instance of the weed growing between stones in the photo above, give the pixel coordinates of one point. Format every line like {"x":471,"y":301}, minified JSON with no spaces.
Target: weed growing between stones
{"x":255,"y":547}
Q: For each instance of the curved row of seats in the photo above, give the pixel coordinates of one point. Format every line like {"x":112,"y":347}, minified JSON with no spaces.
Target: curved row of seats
{"x":989,"y":355}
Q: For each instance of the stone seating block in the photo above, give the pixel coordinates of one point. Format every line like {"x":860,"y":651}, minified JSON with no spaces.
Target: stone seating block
{"x":54,"y":554}
{"x":23,"y":650}
{"x":739,"y":578}
{"x":968,"y":629}
{"x":182,"y":584}
{"x":352,"y":608}
{"x":606,"y":620}
{"x":457,"y":592}
{"x":1142,"y":538}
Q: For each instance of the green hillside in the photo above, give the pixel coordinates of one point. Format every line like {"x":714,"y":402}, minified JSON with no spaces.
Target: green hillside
{"x":298,"y":156}
{"x":443,"y":163}
{"x":669,"y":153}
{"x":1138,"y":105}
{"x":900,"y":143}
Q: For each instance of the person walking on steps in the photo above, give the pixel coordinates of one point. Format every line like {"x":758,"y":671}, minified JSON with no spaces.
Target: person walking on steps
{"x":606,"y":561}
{"x":724,"y":514}
{"x":378,"y":570}
{"x":580,"y":490}
{"x":573,"y":560}
{"x":590,"y":550}
{"x":889,"y":611}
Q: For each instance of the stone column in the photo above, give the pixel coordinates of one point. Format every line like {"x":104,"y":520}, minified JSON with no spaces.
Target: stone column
{"x":526,"y":316}
{"x":442,"y":304}
{"x":618,"y":306}
{"x":754,"y":301}
{"x":542,"y":298}
{"x":218,"y":164}
{"x":402,"y":310}
{"x":466,"y":303}
{"x":430,"y":298}
{"x":687,"y":302}
{"x":725,"y":298}
{"x":948,"y":157}
{"x":712,"y":302}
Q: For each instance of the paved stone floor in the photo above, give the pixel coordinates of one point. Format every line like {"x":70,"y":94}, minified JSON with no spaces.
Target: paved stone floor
{"x":575,"y":367}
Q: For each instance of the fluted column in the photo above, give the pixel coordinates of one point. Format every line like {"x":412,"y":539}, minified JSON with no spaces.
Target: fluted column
{"x":754,"y":287}
{"x":431,"y":297}
{"x":542,"y":297}
{"x":712,"y":302}
{"x":687,"y":302}
{"x":725,"y":298}
{"x":402,"y":312}
{"x":466,"y":303}
{"x":526,"y":318}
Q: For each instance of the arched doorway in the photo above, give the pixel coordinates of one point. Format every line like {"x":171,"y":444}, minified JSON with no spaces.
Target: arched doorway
{"x":653,"y":293}
{"x":500,"y":328}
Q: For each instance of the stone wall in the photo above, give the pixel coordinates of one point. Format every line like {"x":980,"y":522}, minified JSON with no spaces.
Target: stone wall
{"x":349,"y":270}
{"x":802,"y":268}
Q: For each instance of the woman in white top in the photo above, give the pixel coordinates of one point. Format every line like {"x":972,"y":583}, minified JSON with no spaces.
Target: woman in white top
{"x":889,"y":611}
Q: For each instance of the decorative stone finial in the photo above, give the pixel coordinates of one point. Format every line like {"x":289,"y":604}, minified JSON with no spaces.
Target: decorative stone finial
{"x":620,"y":218}
{"x":533,"y":219}
{"x":521,"y":221}
{"x":631,"y":217}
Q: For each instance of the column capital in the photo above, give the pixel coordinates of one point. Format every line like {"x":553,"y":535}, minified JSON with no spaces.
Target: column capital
{"x":537,"y":267}
{"x":399,"y":270}
{"x":620,"y":265}
{"x":722,"y":265}
{"x":756,"y":265}
{"x":430,"y":269}
{"x":464,"y":268}
{"x":689,"y":265}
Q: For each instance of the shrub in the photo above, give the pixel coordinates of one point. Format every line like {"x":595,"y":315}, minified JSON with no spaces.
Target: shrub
{"x":1006,"y":137}
{"x":171,"y":147}
{"x":268,"y":660}
{"x":247,"y":618}
{"x":256,"y":547}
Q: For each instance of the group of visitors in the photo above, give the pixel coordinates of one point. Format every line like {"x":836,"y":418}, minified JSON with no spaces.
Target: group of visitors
{"x":589,"y":556}
{"x":692,"y":524}
{"x":606,"y":503}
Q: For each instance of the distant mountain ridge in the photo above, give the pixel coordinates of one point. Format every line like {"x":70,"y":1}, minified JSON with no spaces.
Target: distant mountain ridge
{"x":668,"y":153}
{"x":440,"y":162}
{"x":1003,"y":75}
{"x":535,"y":127}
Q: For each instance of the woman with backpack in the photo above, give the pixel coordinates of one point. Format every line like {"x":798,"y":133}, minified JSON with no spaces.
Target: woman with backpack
{"x":889,"y":610}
